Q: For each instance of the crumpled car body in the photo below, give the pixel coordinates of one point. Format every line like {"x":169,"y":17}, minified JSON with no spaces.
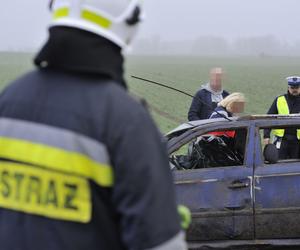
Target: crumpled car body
{"x":248,"y":203}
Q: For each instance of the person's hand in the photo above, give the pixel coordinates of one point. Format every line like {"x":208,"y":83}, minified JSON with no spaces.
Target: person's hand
{"x":266,"y":141}
{"x":185,"y":216}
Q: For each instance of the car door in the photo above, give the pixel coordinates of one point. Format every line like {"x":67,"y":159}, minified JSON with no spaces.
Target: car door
{"x":277,"y":194}
{"x":219,"y":198}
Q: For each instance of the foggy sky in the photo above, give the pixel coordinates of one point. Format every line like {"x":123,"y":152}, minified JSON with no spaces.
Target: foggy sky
{"x":227,"y":18}
{"x":23,"y":24}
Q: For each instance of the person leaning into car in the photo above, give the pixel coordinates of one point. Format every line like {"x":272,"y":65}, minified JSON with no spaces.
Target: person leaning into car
{"x":286,"y":140}
{"x":230,"y":106}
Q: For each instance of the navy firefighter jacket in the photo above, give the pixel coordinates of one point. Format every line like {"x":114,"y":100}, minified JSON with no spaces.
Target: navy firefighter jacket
{"x":82,"y":166}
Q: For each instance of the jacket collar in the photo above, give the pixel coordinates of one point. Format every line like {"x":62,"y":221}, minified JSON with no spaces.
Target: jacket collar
{"x":79,"y":51}
{"x":292,"y":97}
{"x":208,"y":88}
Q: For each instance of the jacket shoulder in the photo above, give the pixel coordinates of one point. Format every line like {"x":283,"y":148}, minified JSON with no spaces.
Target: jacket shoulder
{"x":202,"y":92}
{"x":225,"y":92}
{"x":283,"y":95}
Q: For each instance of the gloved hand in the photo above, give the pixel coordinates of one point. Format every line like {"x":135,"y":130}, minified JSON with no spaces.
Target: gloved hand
{"x":185,"y":216}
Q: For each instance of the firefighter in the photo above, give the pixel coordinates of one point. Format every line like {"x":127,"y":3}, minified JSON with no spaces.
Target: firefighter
{"x":286,"y":140}
{"x":82,"y":164}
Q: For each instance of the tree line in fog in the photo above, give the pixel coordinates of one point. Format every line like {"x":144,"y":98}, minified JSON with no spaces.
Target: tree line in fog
{"x":262,"y":46}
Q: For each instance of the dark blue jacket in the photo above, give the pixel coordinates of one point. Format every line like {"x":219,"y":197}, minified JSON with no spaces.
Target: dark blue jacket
{"x":198,"y":109}
{"x":220,"y":112}
{"x":82,"y":163}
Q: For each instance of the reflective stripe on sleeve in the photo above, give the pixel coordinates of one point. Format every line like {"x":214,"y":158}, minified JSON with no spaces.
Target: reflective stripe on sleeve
{"x":218,"y":113}
{"x":55,"y":148}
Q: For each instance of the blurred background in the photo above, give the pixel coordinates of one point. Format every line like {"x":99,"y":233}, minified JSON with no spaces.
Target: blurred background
{"x":256,"y":42}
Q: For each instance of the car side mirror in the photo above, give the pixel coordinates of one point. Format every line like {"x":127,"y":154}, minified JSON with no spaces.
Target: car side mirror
{"x":271,"y":154}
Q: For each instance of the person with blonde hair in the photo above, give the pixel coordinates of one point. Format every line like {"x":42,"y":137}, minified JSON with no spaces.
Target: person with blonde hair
{"x":232,"y":104}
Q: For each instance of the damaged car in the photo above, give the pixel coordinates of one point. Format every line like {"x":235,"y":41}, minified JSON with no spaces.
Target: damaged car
{"x":238,"y":192}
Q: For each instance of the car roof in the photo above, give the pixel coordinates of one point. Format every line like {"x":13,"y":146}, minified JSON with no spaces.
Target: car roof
{"x":193,"y":124}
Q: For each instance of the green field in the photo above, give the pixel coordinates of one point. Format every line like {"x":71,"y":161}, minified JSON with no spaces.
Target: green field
{"x":13,"y":65}
{"x":260,"y":79}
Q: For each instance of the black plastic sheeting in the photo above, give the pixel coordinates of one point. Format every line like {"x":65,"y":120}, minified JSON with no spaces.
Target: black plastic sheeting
{"x":207,"y":152}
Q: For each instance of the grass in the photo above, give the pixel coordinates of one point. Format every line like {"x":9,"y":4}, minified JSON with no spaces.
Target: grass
{"x":13,"y":65}
{"x":260,"y":79}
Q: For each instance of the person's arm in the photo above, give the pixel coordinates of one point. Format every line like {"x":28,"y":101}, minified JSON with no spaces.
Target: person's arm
{"x":143,"y":191}
{"x":219,"y":113}
{"x":195,"y":108}
{"x":272,"y":110}
{"x":225,"y":93}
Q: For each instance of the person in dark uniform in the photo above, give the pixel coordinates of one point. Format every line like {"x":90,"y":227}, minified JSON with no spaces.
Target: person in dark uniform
{"x":82,"y":164}
{"x":286,"y":140}
{"x":208,"y":97}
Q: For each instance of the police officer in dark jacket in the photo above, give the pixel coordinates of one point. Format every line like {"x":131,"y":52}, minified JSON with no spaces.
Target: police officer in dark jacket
{"x":82,"y":164}
{"x":286,"y":140}
{"x":207,"y":98}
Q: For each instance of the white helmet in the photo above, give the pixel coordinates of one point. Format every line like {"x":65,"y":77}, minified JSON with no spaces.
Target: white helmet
{"x":116,"y":20}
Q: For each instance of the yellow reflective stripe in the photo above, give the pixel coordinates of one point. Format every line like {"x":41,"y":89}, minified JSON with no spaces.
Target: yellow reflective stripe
{"x":54,"y":137}
{"x":86,"y":15}
{"x":282,"y":106}
{"x":95,"y":18}
{"x":278,"y":132}
{"x":61,"y":12}
{"x":283,"y":109}
{"x":56,"y":159}
{"x":46,"y":193}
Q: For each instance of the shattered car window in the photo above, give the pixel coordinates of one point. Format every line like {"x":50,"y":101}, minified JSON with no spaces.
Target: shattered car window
{"x":214,"y":149}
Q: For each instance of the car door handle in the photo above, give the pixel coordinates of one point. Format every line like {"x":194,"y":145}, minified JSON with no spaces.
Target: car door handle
{"x":235,"y":208}
{"x":238,"y":184}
